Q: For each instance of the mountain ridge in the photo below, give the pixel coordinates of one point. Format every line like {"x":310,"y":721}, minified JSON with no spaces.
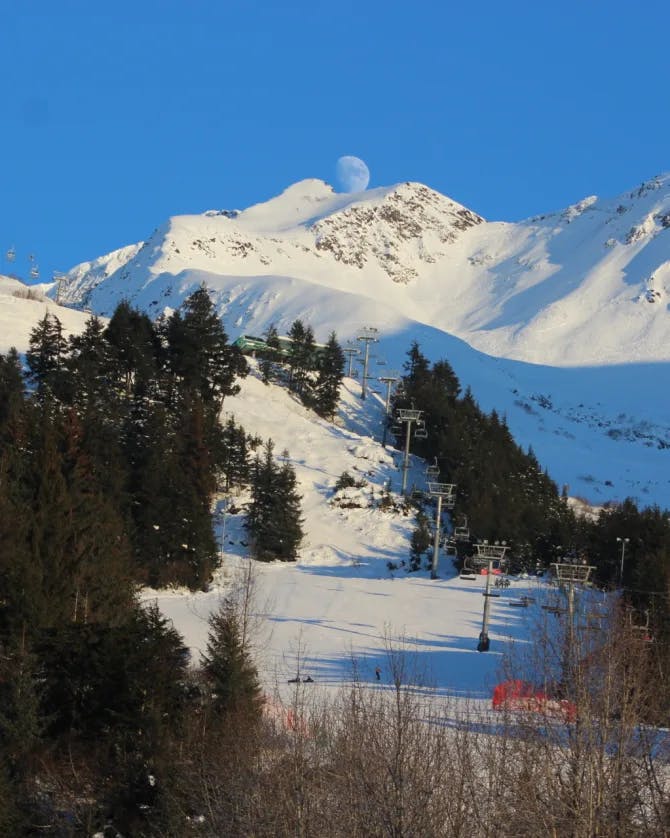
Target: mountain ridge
{"x":586,"y":285}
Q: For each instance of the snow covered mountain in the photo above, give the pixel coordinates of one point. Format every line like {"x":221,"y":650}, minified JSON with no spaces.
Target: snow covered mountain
{"x":561,"y":321}
{"x":589,"y":285}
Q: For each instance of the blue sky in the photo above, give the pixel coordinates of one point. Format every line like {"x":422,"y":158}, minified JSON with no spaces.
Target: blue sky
{"x":117,"y":115}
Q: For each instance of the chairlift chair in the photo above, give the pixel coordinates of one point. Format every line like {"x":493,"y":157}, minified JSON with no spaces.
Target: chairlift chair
{"x":462,"y":532}
{"x":421,"y":433}
{"x":641,"y":628}
{"x":11,"y":254}
{"x":467,"y":571}
{"x":34,"y":272}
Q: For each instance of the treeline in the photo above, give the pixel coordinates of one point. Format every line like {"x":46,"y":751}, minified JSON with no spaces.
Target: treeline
{"x":501,"y":489}
{"x":110,"y":454}
{"x":505,"y":494}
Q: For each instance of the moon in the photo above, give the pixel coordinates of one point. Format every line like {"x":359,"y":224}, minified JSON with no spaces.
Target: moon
{"x":352,"y":174}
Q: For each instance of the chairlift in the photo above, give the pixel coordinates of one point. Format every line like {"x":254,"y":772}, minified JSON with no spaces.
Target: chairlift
{"x":421,"y":433}
{"x":433,"y":470}
{"x":522,"y":602}
{"x":462,"y":532}
{"x":34,"y":272}
{"x":11,"y":254}
{"x":641,"y":628}
{"x":468,"y":571}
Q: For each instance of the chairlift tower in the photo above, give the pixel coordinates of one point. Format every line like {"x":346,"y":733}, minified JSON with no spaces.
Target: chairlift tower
{"x":351,"y":351}
{"x":570,"y":574}
{"x":389,"y":380}
{"x":445,"y":494}
{"x":60,"y":279}
{"x":408,"y":417}
{"x":367,"y":336}
{"x":487,"y":555}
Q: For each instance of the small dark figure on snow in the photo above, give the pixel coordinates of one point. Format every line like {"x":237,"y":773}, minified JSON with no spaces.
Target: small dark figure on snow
{"x":308,"y":680}
{"x":378,"y":673}
{"x":295,"y":680}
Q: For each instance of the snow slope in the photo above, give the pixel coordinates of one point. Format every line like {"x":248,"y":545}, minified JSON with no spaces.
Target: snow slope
{"x":19,"y":314}
{"x":340,"y":603}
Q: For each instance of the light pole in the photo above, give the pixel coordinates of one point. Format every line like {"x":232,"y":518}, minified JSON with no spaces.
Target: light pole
{"x":623,"y":542}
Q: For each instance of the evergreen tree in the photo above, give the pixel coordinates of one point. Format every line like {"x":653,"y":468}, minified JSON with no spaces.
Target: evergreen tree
{"x":89,"y":366}
{"x":228,"y":667}
{"x":330,"y":376}
{"x":199,"y":352}
{"x":274,"y":517}
{"x":232,"y":455}
{"x":12,"y":398}
{"x":134,"y":348}
{"x":301,"y":358}
{"x":271,"y":357}
{"x":46,"y":357}
{"x":21,"y":720}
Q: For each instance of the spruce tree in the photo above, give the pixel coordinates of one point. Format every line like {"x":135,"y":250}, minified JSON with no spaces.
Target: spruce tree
{"x":270,"y":357}
{"x":134,"y":348}
{"x":331,"y":372}
{"x":199,"y":353}
{"x":301,"y":358}
{"x":274,"y":517}
{"x":45,"y":358}
{"x":228,"y":666}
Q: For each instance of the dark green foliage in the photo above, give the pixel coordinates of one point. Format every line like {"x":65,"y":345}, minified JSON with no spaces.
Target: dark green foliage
{"x":228,"y":665}
{"x":268,"y":363}
{"x":21,"y":718}
{"x":301,"y":359}
{"x":421,"y":541}
{"x":347,"y":481}
{"x":326,"y":393}
{"x":274,"y":517}
{"x":11,"y":389}
{"x":233,"y":455}
{"x":113,"y":680}
{"x":133,"y":348}
{"x":46,"y":357}
{"x":199,"y":353}
{"x":502,"y":490}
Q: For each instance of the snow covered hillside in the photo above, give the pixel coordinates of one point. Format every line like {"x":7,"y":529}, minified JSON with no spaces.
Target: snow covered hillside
{"x":340,"y":602}
{"x":21,"y":307}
